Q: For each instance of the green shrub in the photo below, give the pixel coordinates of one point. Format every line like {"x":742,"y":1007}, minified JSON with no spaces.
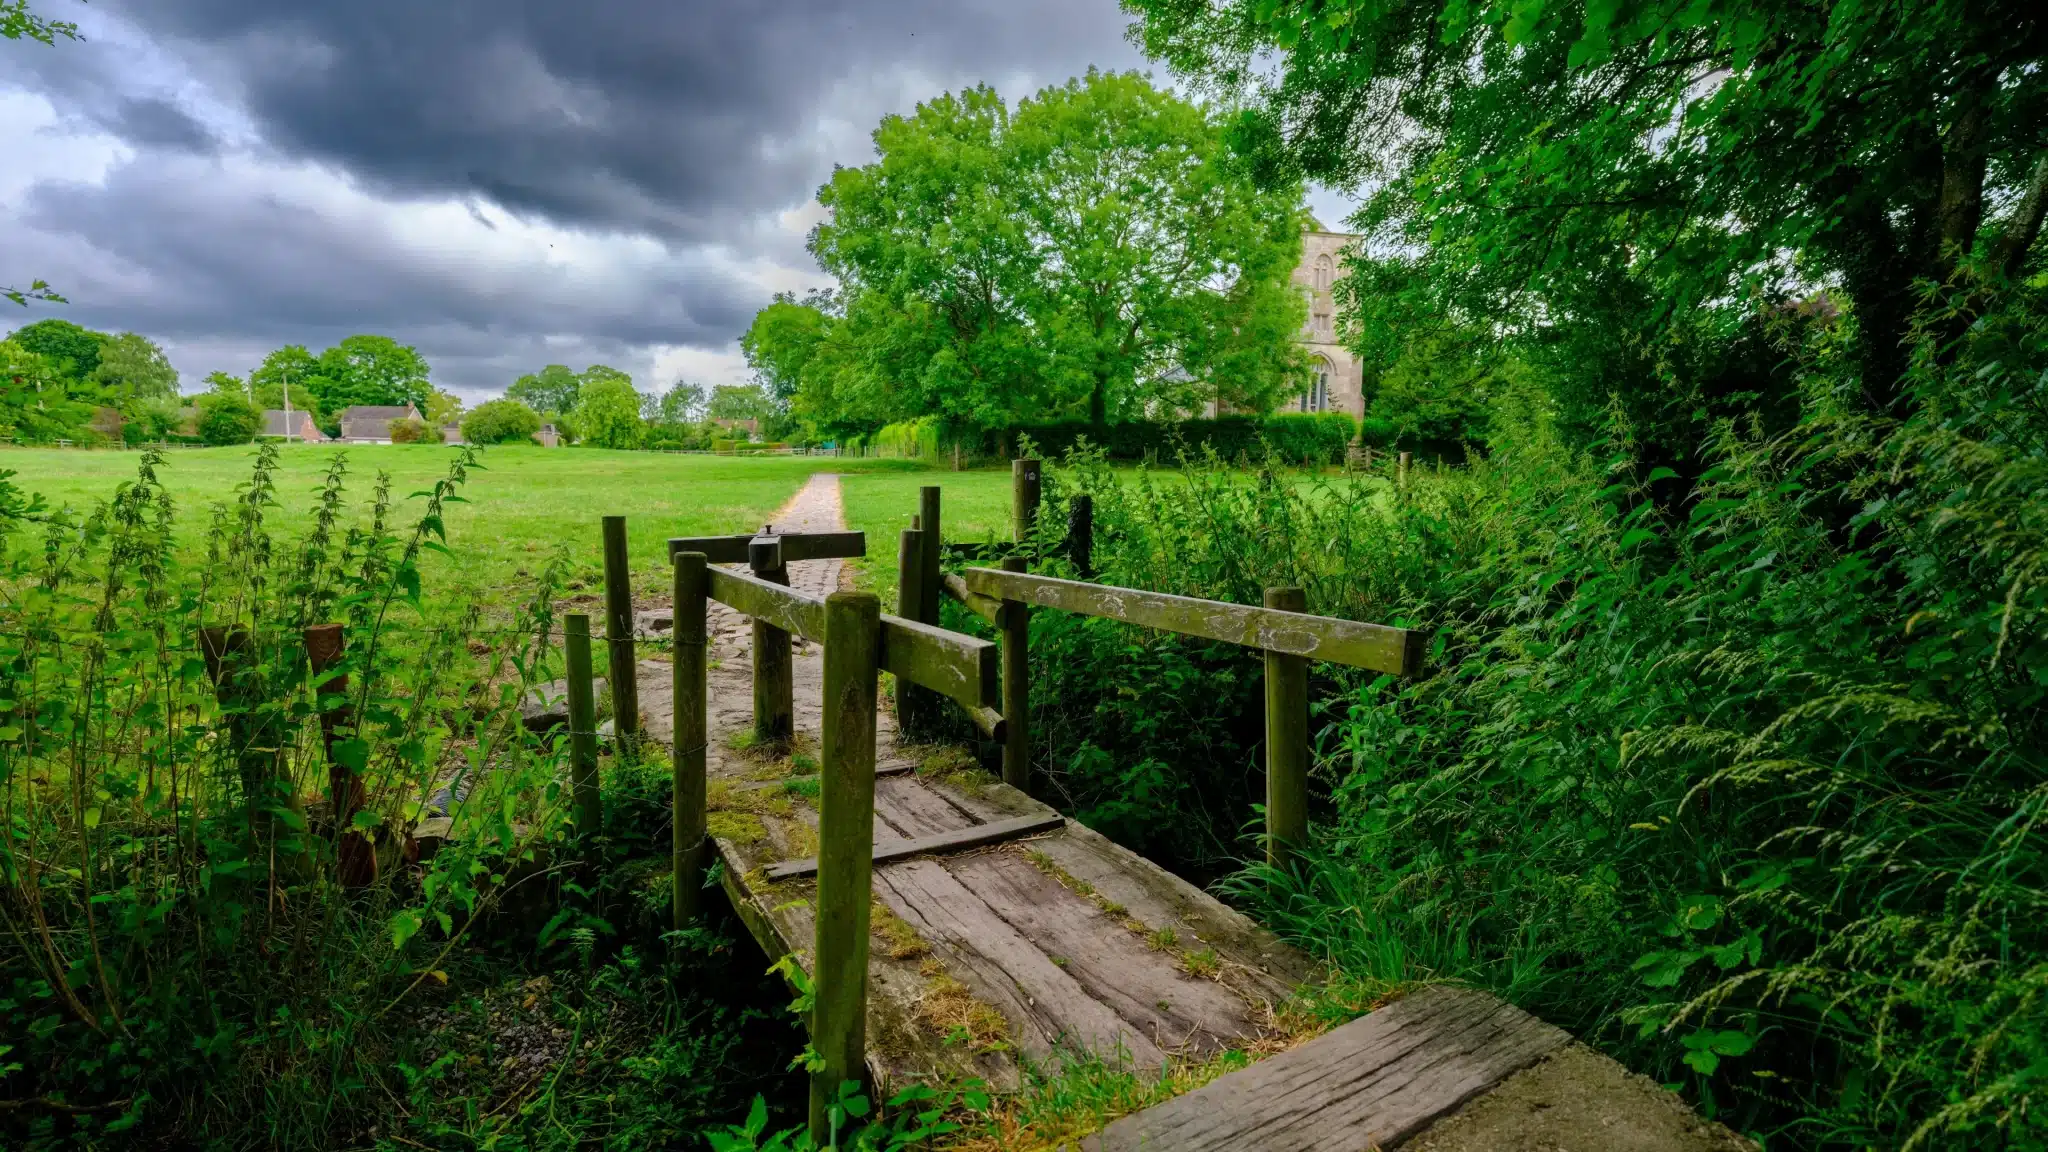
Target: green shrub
{"x":500,"y":422}
{"x":406,"y":430}
{"x":225,"y":418}
{"x":1298,"y":438}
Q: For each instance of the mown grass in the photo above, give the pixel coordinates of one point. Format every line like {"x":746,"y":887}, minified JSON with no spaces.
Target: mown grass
{"x":525,"y":500}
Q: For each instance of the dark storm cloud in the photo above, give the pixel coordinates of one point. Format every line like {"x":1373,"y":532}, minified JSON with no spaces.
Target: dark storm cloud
{"x":155,"y":122}
{"x":640,"y":115}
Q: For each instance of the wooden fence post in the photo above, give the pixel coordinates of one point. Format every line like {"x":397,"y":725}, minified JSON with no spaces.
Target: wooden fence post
{"x":354,"y":855}
{"x":846,"y":830}
{"x":774,"y":670}
{"x":691,"y":849}
{"x":1401,"y":470}
{"x":912,"y":702}
{"x":1025,"y":484}
{"x":1286,"y":741}
{"x":1081,"y":535}
{"x":928,"y":563}
{"x":1016,"y":626}
{"x":584,"y":800}
{"x":618,"y":631}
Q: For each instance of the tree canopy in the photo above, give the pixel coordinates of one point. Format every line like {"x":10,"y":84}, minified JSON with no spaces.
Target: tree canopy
{"x":1536,"y":165}
{"x":608,"y":409}
{"x":500,"y":422}
{"x":131,"y":368}
{"x":1095,"y":252}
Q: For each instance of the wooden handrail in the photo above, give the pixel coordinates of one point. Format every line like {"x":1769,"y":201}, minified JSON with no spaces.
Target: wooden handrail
{"x":797,"y":546}
{"x":1375,"y":646}
{"x":981,"y":606}
{"x":960,"y":667}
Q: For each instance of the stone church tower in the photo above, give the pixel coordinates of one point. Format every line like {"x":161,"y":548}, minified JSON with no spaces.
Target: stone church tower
{"x":1338,"y":385}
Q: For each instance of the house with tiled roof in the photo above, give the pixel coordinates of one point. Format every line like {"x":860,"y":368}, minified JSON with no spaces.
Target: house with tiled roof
{"x":371,"y":423}
{"x":296,"y":425}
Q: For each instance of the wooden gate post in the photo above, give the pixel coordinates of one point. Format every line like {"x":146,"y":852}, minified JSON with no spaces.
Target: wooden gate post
{"x":1081,"y":535}
{"x":912,"y":702}
{"x":928,"y":563}
{"x":583,"y":797}
{"x":774,"y":670}
{"x":618,"y":631}
{"x":1286,"y":741}
{"x":1016,"y":625}
{"x":355,"y":857}
{"x":846,"y":845}
{"x":1025,"y":485}
{"x":690,"y":847}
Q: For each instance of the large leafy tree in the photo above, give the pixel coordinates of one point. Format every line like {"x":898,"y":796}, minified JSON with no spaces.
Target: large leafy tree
{"x":294,"y":367}
{"x":1542,"y":164}
{"x":552,"y":389}
{"x":608,"y":410}
{"x":370,"y":370}
{"x":1097,"y":252}
{"x":71,"y":350}
{"x":133,"y":368}
{"x":39,"y":399}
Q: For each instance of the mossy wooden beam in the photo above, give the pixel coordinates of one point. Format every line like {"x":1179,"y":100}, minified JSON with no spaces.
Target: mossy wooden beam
{"x":981,"y":606}
{"x":791,"y":611}
{"x":958,"y":840}
{"x":846,"y":839}
{"x":584,"y":799}
{"x":795,"y":546}
{"x":690,"y":844}
{"x":618,"y":635}
{"x":1375,"y":646}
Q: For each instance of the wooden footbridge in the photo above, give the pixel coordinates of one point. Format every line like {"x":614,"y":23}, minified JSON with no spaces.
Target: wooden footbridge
{"x":950,"y":926}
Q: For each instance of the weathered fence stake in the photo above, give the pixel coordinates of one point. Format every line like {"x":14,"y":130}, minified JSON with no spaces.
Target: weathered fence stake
{"x":1025,"y":485}
{"x":911,"y":700}
{"x":1016,"y":625}
{"x":584,"y":800}
{"x":1401,"y":470}
{"x":618,"y":631}
{"x":922,"y":720}
{"x":355,"y":857}
{"x":774,"y":669}
{"x":1081,"y":535}
{"x":846,"y":828}
{"x":691,"y":847}
{"x":1286,"y":741}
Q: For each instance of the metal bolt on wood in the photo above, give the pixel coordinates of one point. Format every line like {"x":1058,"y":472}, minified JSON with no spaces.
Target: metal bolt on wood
{"x":691,"y":843}
{"x":846,"y":823}
{"x":584,"y":800}
{"x":1016,"y":627}
{"x":1286,"y":740}
{"x":618,"y":631}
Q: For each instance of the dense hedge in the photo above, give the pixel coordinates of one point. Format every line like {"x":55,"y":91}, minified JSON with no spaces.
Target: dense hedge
{"x":1303,"y":438}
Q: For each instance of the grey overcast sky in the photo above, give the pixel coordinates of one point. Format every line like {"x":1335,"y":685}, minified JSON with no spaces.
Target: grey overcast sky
{"x":502,"y":183}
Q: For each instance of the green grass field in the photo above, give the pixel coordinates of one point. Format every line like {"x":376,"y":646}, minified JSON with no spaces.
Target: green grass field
{"x":519,"y":505}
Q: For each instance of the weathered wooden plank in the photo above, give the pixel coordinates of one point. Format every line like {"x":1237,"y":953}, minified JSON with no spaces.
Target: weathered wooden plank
{"x":978,"y":836}
{"x":1008,"y":970}
{"x":914,"y":810}
{"x":1179,"y":1013}
{"x":990,"y":722}
{"x":795,"y":546}
{"x":954,"y":665}
{"x":1373,"y":646}
{"x":982,"y":606}
{"x":784,"y":608}
{"x":1369,"y":1084}
{"x":846,"y":813}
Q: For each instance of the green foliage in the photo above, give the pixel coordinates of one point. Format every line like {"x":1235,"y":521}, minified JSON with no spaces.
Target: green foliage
{"x":500,"y":422}
{"x":608,"y":410}
{"x":737,"y":402}
{"x":1750,"y":801}
{"x":41,"y":401}
{"x":406,"y":430}
{"x":553,"y":389}
{"x":1298,"y":438}
{"x":17,"y":21}
{"x":1096,"y":252}
{"x":370,"y":370}
{"x":443,"y":409}
{"x":133,"y":369}
{"x":73,"y":351}
{"x":227,"y":418}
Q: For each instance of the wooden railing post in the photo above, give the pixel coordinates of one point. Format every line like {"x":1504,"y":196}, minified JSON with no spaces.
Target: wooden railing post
{"x":1081,"y":535}
{"x":691,"y":849}
{"x":928,"y":563}
{"x":355,"y":857}
{"x":584,"y":800}
{"x":1401,"y":470}
{"x":618,"y":632}
{"x":1025,"y":484}
{"x":913,"y":704}
{"x":846,"y":831}
{"x":1286,"y":741}
{"x":1016,"y":626}
{"x":774,"y":671}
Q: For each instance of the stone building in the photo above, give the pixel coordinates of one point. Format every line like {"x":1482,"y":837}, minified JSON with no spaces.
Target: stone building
{"x":1338,"y":385}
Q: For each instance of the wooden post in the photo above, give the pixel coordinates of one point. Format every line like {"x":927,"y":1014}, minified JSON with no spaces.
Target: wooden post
{"x":355,"y":856}
{"x":846,"y":831}
{"x":928,"y":564}
{"x":912,"y":701}
{"x":618,"y":631}
{"x":584,"y":800}
{"x":1081,"y":535}
{"x":1401,"y":471}
{"x":1025,"y":480}
{"x":691,"y":847}
{"x":1016,"y":625}
{"x":774,"y":669}
{"x":1286,"y":741}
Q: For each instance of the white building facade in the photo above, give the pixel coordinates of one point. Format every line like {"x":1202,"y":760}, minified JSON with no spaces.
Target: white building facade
{"x":1337,"y":385}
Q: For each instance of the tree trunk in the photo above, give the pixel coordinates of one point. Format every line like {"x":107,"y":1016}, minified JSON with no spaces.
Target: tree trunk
{"x":1098,"y":404}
